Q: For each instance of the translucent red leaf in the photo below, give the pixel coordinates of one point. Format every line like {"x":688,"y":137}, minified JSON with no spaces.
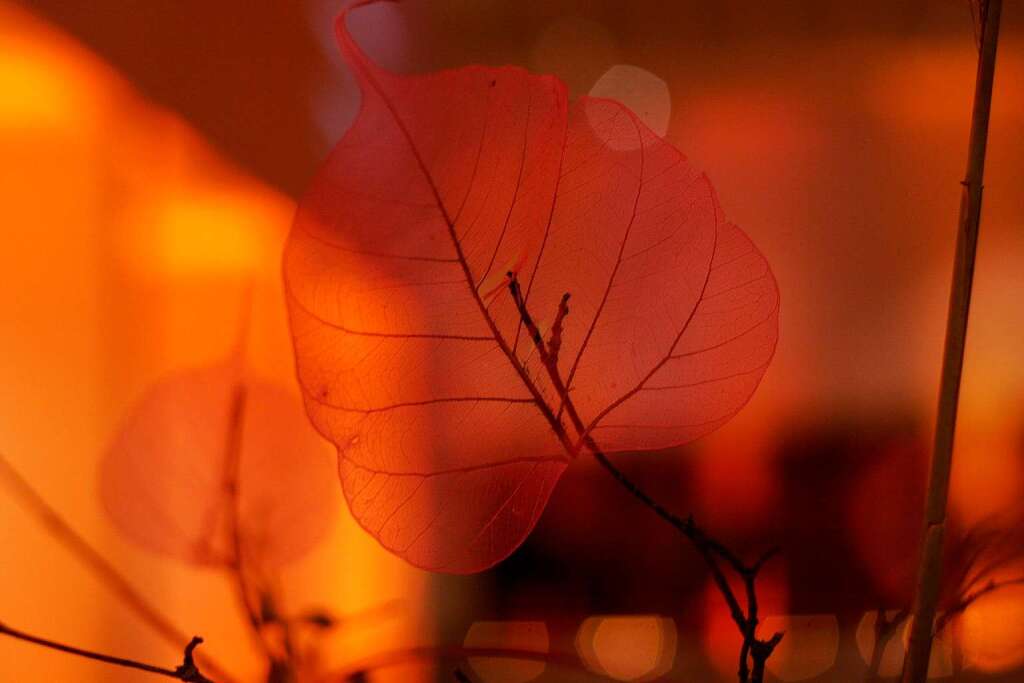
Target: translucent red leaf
{"x":410,"y":350}
{"x":164,"y":480}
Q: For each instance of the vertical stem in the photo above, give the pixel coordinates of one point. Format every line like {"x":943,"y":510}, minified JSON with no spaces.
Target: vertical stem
{"x":915,"y":666}
{"x":232,"y":462}
{"x":250,"y":597}
{"x":757,"y":672}
{"x":875,"y":665}
{"x":248,"y":600}
{"x":885,"y":629}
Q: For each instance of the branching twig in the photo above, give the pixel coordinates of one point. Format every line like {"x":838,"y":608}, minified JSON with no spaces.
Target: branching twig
{"x":188,"y":671}
{"x":710,"y":550}
{"x":757,"y":651}
{"x":32,"y":502}
{"x":915,"y":667}
{"x":885,"y":629}
{"x":555,"y":342}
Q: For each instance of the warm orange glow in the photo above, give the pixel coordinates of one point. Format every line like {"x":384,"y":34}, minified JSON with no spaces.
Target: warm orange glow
{"x":988,"y":475}
{"x":514,"y":635}
{"x":628,"y":648}
{"x":737,"y":125}
{"x":44,"y":84}
{"x":128,"y":242}
{"x":993,"y":630}
{"x":931,"y":83}
{"x":202,"y":231}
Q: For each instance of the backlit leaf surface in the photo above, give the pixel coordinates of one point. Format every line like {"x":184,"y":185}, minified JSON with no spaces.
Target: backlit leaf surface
{"x":410,"y":350}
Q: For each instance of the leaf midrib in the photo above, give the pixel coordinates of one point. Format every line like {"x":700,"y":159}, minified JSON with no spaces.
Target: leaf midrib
{"x":499,"y":339}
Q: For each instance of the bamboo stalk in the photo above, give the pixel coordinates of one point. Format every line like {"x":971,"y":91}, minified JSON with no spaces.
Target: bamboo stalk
{"x":915,"y":665}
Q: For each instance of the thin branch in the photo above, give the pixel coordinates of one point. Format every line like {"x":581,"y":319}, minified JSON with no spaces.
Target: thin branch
{"x":252,"y":600}
{"x":746,"y":621}
{"x":915,"y":665}
{"x":885,"y":628}
{"x":33,"y":503}
{"x":744,"y":670}
{"x":760,"y":651}
{"x":689,"y":529}
{"x":232,"y":462}
{"x":188,"y":671}
{"x":555,"y":341}
{"x":709,"y":549}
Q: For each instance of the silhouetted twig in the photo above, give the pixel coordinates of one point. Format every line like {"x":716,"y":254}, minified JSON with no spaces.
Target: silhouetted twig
{"x":754,"y":652}
{"x":757,"y":651}
{"x":915,"y":666}
{"x":885,"y":628}
{"x":188,"y":671}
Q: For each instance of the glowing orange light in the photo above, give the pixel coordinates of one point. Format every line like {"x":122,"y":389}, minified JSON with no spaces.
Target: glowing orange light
{"x":514,"y":635}
{"x":993,"y":630}
{"x":988,"y":475}
{"x":125,"y":230}
{"x":628,"y":648}
{"x":45,"y":89}
{"x":931,"y":84}
{"x":210,"y":232}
